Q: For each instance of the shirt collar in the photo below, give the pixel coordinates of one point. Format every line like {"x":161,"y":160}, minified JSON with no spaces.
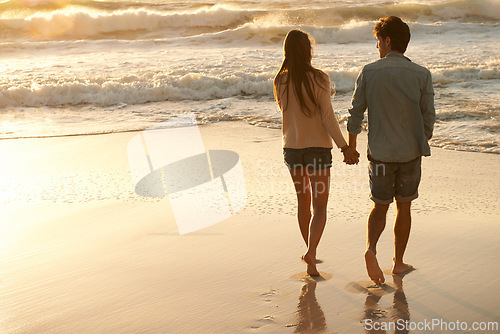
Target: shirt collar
{"x":396,"y":54}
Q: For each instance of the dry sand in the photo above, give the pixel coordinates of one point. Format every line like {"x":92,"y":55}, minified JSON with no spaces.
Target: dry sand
{"x":82,"y":253}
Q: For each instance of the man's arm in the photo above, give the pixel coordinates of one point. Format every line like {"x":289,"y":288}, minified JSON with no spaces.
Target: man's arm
{"x":352,"y":140}
{"x":427,"y":107}
{"x":356,"y":115}
{"x":351,"y":156}
{"x":357,"y":111}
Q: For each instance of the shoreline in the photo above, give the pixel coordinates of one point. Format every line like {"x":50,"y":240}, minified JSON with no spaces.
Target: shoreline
{"x":433,"y":146}
{"x":82,"y":252}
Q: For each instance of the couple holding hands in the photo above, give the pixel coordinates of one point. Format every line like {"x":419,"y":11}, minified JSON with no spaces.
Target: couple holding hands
{"x":399,"y":97}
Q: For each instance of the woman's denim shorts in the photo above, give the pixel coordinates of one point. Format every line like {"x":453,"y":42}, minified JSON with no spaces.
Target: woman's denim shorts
{"x":314,"y":158}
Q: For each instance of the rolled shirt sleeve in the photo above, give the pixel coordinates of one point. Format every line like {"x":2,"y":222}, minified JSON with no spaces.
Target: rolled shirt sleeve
{"x":357,"y":111}
{"x":427,"y":107}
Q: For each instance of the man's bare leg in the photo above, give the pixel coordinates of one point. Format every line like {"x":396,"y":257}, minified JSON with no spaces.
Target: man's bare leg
{"x":376,"y":225}
{"x":320,"y":187}
{"x":402,"y":227}
{"x":303,"y":189}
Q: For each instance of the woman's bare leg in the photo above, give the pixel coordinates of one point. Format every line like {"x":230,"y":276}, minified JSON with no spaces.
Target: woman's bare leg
{"x":303,"y":189}
{"x":320,"y":189}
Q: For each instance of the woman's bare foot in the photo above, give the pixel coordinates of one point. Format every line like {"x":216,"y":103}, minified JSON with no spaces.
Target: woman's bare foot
{"x":401,"y":268}
{"x":372,"y":267}
{"x":311,"y":264}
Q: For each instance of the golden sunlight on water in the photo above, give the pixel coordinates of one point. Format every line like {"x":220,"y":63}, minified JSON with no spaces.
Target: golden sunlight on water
{"x":51,"y":25}
{"x":44,"y":18}
{"x":32,"y":3}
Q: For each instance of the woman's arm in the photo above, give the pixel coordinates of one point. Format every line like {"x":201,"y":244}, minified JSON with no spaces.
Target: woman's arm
{"x":328,"y":117}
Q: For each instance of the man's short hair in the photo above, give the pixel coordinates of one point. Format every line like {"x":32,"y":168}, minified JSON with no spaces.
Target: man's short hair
{"x":394,"y":28}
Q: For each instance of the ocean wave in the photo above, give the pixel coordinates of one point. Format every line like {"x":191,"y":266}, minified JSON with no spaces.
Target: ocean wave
{"x":257,"y":33}
{"x":78,"y":23}
{"x":154,"y":86}
{"x":131,"y":89}
{"x":479,"y":11}
{"x":149,"y":20}
{"x":148,"y":87}
{"x":465,"y":73}
{"x":37,"y":5}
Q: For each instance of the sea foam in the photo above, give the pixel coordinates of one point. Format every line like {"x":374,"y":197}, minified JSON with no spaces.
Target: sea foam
{"x":93,"y":22}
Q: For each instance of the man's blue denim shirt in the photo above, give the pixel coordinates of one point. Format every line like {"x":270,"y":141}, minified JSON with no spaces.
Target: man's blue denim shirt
{"x":400,"y":100}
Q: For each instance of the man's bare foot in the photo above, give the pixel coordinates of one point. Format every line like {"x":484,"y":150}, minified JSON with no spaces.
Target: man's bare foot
{"x":372,"y":267}
{"x":401,"y":268}
{"x":311,"y":264}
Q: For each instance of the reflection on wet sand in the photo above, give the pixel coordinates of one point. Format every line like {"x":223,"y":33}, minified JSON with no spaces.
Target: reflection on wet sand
{"x":311,"y":318}
{"x":376,"y":319}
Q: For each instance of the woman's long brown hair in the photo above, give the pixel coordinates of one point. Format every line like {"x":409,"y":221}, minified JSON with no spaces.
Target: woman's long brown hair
{"x":297,"y":63}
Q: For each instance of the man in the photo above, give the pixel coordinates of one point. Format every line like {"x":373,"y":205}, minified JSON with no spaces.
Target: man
{"x":400,"y":100}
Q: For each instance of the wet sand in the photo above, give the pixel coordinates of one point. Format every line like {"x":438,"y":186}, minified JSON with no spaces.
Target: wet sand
{"x":83,"y":253}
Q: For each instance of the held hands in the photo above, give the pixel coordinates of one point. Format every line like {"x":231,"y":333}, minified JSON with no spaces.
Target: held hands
{"x":351,"y":156}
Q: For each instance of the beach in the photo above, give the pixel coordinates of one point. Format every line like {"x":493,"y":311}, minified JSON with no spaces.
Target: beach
{"x":82,"y":252}
{"x":143,"y":188}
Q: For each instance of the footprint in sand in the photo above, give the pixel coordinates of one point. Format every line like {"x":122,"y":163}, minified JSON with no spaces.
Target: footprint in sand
{"x":266,"y":297}
{"x":269,"y":295}
{"x":267,"y":320}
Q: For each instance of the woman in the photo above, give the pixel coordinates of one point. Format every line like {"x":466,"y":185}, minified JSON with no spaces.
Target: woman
{"x":309,"y":125}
